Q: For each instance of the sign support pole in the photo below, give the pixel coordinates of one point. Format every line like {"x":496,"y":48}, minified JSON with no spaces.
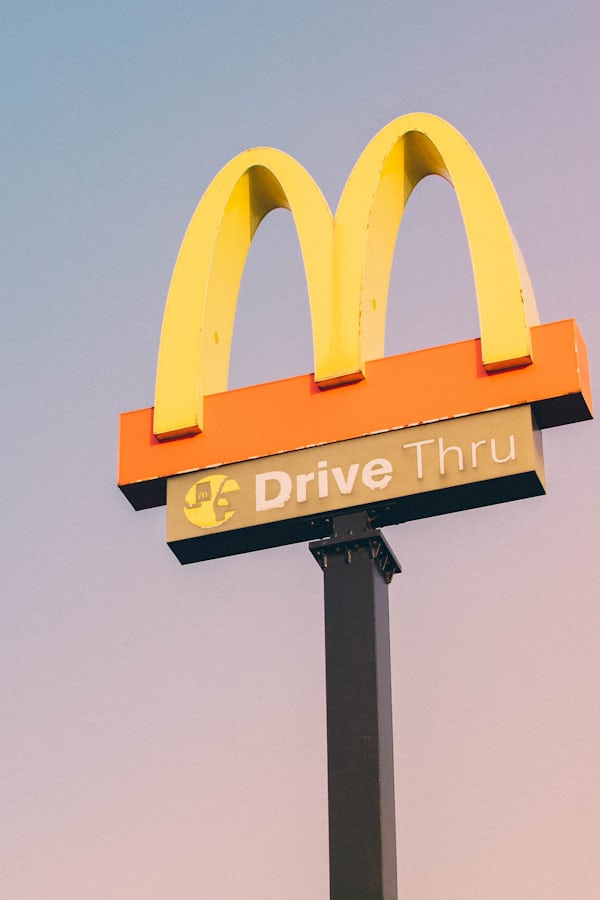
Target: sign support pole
{"x":357,"y":566}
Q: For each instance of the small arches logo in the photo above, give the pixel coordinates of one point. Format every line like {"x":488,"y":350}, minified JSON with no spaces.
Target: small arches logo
{"x":208,"y":503}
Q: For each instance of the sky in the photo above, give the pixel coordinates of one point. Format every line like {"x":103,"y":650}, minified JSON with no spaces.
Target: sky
{"x":162,"y":729}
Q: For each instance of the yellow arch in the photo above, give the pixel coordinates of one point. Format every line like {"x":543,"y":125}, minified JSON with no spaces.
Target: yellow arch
{"x":198,"y":322}
{"x":347,"y":264}
{"x":369,"y":215}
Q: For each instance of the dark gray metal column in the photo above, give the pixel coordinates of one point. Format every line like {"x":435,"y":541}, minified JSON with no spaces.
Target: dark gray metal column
{"x":358,"y":566}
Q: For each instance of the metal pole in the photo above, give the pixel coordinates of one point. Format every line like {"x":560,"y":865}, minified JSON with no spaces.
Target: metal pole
{"x":358,"y":566}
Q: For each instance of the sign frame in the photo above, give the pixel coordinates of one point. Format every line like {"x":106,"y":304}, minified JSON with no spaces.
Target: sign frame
{"x":396,"y":476}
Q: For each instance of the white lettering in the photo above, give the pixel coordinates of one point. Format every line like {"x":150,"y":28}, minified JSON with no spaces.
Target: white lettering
{"x":377,"y":474}
{"x":474,"y":447}
{"x":275,"y":489}
{"x":443,"y":452}
{"x":511,"y":452}
{"x":418,"y":445}
{"x":345,"y":484}
{"x":323,"y":480}
{"x":282,"y":495}
{"x":301,"y":482}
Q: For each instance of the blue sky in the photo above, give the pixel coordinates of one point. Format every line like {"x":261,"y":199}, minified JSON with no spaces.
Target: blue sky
{"x":163,"y":728}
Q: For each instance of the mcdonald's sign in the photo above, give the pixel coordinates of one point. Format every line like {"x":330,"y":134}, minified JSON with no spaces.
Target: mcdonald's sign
{"x":408,"y":436}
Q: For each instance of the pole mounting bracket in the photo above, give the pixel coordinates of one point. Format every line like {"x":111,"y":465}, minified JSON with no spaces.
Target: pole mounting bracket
{"x":351,"y":532}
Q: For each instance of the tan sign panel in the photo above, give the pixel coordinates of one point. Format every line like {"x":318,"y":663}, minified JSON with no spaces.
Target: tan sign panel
{"x":400,"y":475}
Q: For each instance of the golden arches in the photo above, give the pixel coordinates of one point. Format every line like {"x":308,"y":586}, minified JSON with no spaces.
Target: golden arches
{"x":347,"y":262}
{"x":369,"y":215}
{"x":198,"y":322}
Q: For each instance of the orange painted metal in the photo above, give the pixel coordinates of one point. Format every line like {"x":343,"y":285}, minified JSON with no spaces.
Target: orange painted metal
{"x":399,"y":391}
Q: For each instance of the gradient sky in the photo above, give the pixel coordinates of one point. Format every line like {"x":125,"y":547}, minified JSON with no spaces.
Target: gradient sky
{"x":163,"y":727}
